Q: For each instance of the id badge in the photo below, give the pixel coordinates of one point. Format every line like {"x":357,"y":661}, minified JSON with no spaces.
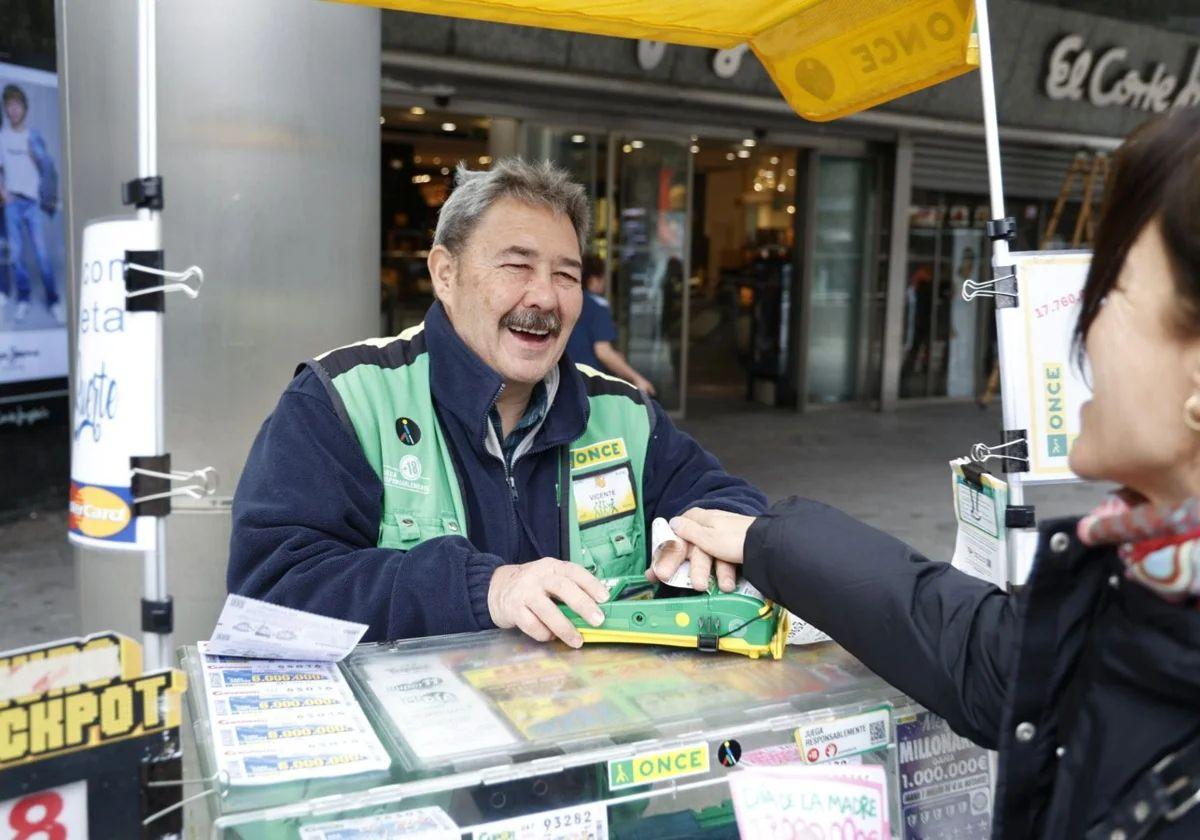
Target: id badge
{"x":604,"y":495}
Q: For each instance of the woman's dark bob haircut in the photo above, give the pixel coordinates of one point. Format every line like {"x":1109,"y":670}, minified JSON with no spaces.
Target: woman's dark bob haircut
{"x":1155,"y":176}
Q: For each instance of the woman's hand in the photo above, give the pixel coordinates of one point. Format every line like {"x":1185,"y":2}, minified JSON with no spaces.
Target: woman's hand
{"x":717,"y":533}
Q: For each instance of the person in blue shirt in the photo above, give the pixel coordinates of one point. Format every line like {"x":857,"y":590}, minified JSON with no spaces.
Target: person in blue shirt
{"x":591,"y":341}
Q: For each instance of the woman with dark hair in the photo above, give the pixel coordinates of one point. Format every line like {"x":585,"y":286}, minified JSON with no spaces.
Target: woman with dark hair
{"x":1088,"y":680}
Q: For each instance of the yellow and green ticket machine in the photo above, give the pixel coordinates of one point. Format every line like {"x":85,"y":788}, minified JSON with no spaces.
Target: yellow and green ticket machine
{"x":636,"y":612}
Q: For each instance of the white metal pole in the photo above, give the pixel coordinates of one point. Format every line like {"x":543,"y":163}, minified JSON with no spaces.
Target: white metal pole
{"x":1000,"y":253}
{"x":991,"y":125}
{"x":154,"y":563}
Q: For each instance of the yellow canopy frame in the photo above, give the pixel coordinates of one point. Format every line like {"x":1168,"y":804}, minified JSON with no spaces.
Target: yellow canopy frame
{"x":829,"y":58}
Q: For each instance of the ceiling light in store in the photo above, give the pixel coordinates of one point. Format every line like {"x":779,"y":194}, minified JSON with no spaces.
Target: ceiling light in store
{"x":437,"y":161}
{"x":781,"y":188}
{"x":758,"y":187}
{"x":791,"y":173}
{"x":743,"y":153}
{"x":693,"y":138}
{"x":449,"y":126}
{"x":382,"y":119}
{"x":484,"y":160}
{"x":417,"y":111}
{"x":749,"y":142}
{"x":637,"y":144}
{"x":421,"y":179}
{"x":791,"y":209}
{"x":445,"y":170}
{"x":396,"y":164}
{"x":774,"y":160}
{"x":578,"y":138}
{"x":729,"y":156}
{"x":627,"y":148}
{"x":417,"y":159}
{"x":695,"y":149}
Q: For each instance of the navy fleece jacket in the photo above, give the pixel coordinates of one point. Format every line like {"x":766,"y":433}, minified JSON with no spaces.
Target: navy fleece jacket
{"x":307,"y":510}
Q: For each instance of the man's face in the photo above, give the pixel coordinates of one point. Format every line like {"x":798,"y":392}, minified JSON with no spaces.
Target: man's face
{"x":15,"y":111}
{"x":514,"y":292}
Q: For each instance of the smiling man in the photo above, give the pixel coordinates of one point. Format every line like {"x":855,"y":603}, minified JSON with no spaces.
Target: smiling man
{"x":464,"y":474}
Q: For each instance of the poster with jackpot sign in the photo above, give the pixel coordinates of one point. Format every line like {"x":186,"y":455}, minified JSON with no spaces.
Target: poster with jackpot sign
{"x":114,"y":388}
{"x":82,"y":726}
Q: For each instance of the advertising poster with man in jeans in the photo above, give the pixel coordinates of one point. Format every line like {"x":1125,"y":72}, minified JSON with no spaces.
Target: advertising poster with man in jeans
{"x":33,"y":315}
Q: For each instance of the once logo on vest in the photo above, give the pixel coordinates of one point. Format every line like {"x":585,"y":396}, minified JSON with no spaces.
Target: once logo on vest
{"x":410,"y":468}
{"x":594,"y":454}
{"x":409,"y":474}
{"x":408,"y":431}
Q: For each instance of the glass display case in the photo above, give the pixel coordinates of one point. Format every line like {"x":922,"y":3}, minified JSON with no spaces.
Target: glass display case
{"x":485,"y":729}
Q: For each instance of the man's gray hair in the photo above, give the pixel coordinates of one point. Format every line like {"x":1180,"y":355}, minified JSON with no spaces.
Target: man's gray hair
{"x":539,"y":184}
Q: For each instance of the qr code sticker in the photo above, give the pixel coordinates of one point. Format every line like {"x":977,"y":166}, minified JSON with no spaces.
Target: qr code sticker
{"x":878,"y":731}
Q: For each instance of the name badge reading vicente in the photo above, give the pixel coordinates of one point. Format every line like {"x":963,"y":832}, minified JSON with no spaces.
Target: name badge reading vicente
{"x":604,"y":495}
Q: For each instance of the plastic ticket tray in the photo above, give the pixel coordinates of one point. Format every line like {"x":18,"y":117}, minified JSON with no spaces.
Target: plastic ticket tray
{"x":492,"y":726}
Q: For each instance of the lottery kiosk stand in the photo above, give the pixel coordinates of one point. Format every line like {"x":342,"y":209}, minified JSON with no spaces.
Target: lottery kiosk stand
{"x":488,"y":735}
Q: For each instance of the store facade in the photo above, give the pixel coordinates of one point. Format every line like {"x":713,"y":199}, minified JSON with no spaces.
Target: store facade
{"x":752,"y":252}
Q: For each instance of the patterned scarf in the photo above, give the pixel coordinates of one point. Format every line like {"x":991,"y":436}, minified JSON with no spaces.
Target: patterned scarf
{"x":1160,"y":546}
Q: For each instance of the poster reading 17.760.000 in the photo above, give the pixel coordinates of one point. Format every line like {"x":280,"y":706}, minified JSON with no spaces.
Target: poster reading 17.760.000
{"x":1041,"y":372}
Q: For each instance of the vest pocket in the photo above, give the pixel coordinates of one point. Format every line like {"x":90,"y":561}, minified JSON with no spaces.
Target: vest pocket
{"x":613,"y":549}
{"x":408,"y":530}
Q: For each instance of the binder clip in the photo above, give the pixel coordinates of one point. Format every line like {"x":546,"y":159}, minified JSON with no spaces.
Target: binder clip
{"x":151,"y":479}
{"x":147,"y":282}
{"x":1004,"y":285}
{"x":153,"y":786}
{"x":1018,"y":452}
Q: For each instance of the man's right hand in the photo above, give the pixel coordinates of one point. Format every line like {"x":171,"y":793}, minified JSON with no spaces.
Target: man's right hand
{"x":523,"y":595}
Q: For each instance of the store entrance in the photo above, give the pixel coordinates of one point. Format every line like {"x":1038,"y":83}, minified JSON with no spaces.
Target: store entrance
{"x":419,"y":151}
{"x":742,"y":276}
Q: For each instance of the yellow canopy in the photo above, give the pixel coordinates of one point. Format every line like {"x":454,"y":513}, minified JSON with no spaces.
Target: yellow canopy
{"x":829,"y":58}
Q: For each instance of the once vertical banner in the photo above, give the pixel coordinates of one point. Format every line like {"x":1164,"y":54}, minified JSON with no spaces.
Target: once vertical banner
{"x":1039,"y":369}
{"x":116,"y":412}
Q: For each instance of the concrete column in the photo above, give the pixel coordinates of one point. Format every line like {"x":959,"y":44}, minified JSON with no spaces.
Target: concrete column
{"x":269,"y":151}
{"x":893,"y":319}
{"x":503,"y":139}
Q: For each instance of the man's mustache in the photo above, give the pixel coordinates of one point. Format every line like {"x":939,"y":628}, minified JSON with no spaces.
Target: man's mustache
{"x":533,"y":320}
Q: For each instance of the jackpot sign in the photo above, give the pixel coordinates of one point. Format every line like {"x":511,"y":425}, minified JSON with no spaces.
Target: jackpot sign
{"x":79,"y":694}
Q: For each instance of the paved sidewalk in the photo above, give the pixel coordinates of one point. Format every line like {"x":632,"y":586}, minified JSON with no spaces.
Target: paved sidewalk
{"x":37,"y":580}
{"x":889,"y":470}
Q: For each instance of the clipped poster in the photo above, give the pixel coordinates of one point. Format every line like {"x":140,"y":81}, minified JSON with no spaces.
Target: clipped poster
{"x":116,"y":413}
{"x":1039,"y":368}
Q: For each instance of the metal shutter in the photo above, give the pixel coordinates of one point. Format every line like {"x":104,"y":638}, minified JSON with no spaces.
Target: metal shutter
{"x":954,"y":164}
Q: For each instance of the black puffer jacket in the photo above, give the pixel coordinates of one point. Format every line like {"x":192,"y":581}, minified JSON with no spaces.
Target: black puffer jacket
{"x":1083,"y":681}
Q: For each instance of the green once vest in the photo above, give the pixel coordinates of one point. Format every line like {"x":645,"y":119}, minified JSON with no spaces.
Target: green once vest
{"x":380,"y":388}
